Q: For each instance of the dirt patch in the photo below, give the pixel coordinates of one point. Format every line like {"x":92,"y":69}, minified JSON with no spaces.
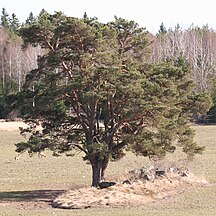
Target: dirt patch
{"x":137,"y":193}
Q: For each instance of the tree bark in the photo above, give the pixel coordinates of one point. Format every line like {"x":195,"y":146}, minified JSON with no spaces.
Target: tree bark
{"x":96,"y":174}
{"x":104,"y":166}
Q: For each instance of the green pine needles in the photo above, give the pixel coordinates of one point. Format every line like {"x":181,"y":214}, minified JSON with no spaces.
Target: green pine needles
{"x":95,"y":91}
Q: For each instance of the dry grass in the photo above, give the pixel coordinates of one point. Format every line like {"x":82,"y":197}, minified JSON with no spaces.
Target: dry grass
{"x":136,"y":194}
{"x":27,"y":185}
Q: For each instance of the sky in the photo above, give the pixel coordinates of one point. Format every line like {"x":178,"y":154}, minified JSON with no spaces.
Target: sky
{"x":147,"y":13}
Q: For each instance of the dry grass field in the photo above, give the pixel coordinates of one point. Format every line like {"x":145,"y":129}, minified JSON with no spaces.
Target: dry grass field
{"x":29,"y":184}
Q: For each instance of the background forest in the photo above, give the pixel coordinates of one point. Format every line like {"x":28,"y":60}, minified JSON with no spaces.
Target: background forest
{"x":197,"y":45}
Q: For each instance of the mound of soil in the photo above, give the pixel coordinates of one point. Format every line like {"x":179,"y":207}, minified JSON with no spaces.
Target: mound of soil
{"x":138,"y":192}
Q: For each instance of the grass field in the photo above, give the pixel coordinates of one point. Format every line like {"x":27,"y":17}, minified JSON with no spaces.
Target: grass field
{"x":27,"y":185}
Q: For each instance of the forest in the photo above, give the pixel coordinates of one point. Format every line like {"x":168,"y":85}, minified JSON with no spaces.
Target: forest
{"x":196,"y":45}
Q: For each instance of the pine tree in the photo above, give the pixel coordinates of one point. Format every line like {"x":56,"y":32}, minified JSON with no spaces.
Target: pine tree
{"x":94,"y":92}
{"x":14,"y":24}
{"x":42,"y":13}
{"x":31,"y":20}
{"x":5,"y":20}
{"x":162,"y":29}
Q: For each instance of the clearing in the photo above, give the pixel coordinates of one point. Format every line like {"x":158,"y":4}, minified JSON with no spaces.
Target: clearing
{"x":28,"y":185}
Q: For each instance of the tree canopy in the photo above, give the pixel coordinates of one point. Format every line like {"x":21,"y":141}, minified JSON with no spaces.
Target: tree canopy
{"x":94,"y":91}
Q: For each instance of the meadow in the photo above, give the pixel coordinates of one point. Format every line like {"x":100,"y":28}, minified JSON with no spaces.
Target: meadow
{"x":29,"y":184}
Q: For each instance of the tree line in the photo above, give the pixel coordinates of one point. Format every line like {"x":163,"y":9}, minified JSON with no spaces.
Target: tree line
{"x":15,"y":62}
{"x":197,"y":45}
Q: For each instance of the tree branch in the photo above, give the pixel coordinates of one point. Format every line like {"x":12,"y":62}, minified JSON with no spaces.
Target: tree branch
{"x":119,"y":146}
{"x":80,"y":148}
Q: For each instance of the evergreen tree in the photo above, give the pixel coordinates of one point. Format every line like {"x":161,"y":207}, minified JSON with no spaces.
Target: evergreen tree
{"x":31,"y":20}
{"x":211,"y":115}
{"x":85,"y":16}
{"x":11,"y":25}
{"x":42,"y":13}
{"x":162,"y":29}
{"x":5,"y":19}
{"x":14,"y":24}
{"x":94,"y":92}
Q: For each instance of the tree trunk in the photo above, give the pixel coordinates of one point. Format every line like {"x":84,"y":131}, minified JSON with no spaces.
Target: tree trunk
{"x":104,"y":166}
{"x":96,"y":174}
{"x":3,"y":74}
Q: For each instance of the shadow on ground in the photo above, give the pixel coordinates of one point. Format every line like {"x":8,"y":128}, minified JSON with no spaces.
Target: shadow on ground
{"x":29,"y":196}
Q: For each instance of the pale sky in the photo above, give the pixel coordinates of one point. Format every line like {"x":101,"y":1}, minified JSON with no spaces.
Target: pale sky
{"x":147,"y":13}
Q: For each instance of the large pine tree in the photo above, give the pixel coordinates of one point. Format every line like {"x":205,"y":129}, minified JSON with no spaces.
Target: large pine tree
{"x":94,"y":92}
